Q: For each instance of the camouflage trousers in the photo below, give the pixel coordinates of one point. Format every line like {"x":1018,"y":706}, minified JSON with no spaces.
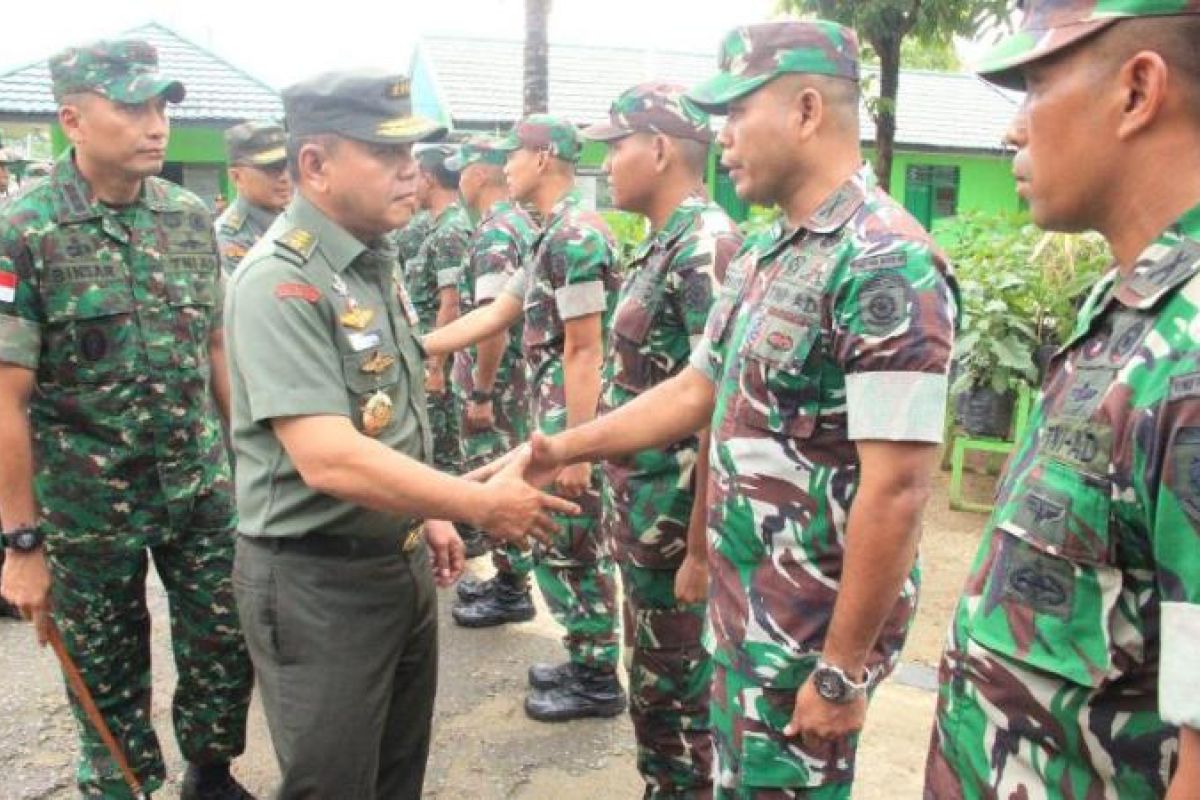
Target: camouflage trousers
{"x":578,"y":581}
{"x":669,"y":678}
{"x":99,"y":604}
{"x":754,"y":761}
{"x":1007,"y":730}
{"x":444,"y":414}
{"x":478,"y":448}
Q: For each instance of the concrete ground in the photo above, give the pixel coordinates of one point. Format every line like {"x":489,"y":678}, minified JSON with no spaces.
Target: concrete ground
{"x":483,"y":745}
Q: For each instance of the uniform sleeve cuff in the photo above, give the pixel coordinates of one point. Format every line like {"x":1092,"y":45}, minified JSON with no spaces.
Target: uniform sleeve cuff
{"x":489,"y":287}
{"x":703,"y":362}
{"x":448,"y":278}
{"x":580,"y":299}
{"x":896,"y":406}
{"x":518,"y":284}
{"x":1178,"y":678}
{"x":20,"y":341}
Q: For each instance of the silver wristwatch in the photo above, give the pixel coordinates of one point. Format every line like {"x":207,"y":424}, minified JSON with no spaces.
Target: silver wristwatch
{"x":834,"y":685}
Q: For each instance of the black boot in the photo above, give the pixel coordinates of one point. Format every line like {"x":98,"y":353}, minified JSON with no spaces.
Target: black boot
{"x":588,"y":693}
{"x":472,"y":589}
{"x":550,"y":676}
{"x":475,"y":541}
{"x":211,"y":782}
{"x":509,"y":601}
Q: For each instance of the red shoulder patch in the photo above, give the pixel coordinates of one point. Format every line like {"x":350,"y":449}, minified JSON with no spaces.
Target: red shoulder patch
{"x":298,"y":291}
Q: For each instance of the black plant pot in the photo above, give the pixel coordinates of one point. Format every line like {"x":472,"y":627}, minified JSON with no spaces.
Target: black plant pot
{"x":984,"y":412}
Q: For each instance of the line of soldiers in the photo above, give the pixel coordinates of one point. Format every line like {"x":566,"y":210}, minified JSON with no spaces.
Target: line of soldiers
{"x":769,"y":418}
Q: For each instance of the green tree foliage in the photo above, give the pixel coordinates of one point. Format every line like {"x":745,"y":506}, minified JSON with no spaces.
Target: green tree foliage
{"x":884,"y":26}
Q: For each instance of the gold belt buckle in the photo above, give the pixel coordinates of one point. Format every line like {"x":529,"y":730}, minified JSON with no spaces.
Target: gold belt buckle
{"x":413,"y":539}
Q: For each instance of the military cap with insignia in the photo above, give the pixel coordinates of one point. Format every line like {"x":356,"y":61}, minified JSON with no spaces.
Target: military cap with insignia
{"x":123,"y":70}
{"x":555,"y":135}
{"x":652,"y":108}
{"x":256,"y":143}
{"x":1050,"y":26}
{"x":361,"y":105}
{"x":753,"y":55}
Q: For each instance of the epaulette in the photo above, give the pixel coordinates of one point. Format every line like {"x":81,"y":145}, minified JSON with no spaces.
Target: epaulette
{"x":297,"y":243}
{"x":233,"y":220}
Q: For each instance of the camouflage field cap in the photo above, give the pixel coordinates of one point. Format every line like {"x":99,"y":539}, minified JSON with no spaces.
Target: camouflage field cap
{"x":123,"y":70}
{"x":753,"y":55}
{"x":544,"y":132}
{"x":361,"y":105}
{"x":477,"y":150}
{"x":652,"y":108}
{"x":1049,"y":26}
{"x":256,"y":143}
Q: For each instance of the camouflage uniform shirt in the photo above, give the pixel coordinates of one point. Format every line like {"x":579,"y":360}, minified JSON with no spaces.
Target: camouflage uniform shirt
{"x":113,"y":309}
{"x":812,"y":327}
{"x":1080,"y":621}
{"x":238,"y":228}
{"x":438,"y":263}
{"x":497,"y":250}
{"x":408,"y":240}
{"x":571,"y":274}
{"x":660,"y":314}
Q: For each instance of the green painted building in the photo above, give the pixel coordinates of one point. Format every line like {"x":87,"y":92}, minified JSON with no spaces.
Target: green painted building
{"x":950,"y":127}
{"x":219,"y":95}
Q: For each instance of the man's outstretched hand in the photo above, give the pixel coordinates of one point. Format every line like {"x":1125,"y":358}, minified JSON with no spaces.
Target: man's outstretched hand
{"x":515,"y":508}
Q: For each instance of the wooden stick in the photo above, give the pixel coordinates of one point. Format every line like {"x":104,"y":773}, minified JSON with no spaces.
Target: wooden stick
{"x":80,"y":690}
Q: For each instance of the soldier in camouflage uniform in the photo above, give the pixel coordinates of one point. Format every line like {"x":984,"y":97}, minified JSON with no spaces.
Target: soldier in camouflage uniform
{"x":258,"y":167}
{"x":489,"y":380}
{"x":1071,"y":668}
{"x":432,"y":282}
{"x":409,"y":238}
{"x":816,"y":488}
{"x":658,"y":152}
{"x":566,"y":291}
{"x":112,"y":312}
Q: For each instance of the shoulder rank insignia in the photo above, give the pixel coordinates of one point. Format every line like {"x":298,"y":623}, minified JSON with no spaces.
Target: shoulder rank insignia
{"x":234,"y":251}
{"x":299,"y":242}
{"x":234,"y":220}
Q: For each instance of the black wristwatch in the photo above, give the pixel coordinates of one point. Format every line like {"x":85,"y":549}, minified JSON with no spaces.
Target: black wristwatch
{"x":23,"y":540}
{"x":834,"y":685}
{"x":480,"y":396}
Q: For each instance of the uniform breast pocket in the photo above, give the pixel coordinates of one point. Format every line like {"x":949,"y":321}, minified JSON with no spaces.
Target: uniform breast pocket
{"x":370,"y":376}
{"x":192,"y":297}
{"x":1050,"y":583}
{"x":97,"y":341}
{"x":541,"y":319}
{"x":780,"y":384}
{"x":637,"y":370}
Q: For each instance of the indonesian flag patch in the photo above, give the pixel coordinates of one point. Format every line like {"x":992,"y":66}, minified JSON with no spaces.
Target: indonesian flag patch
{"x":8,"y":287}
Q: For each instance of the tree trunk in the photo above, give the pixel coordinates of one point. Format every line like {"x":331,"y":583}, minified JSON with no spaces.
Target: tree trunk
{"x":537,"y":70}
{"x":888,"y":49}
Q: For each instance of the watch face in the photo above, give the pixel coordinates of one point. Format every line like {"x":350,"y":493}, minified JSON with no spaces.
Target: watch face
{"x":25,"y":540}
{"x":829,"y":685}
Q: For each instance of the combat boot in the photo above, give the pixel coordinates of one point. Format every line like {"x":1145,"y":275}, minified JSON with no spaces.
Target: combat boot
{"x":588,"y":693}
{"x":509,"y":601}
{"x":474,"y":540}
{"x":211,"y":782}
{"x":471,"y":589}
{"x":550,"y":676}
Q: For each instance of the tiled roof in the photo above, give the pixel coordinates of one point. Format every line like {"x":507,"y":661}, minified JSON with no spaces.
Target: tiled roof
{"x":478,"y":84}
{"x":217,"y":91}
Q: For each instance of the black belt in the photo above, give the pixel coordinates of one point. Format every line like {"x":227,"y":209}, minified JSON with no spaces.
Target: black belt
{"x":332,"y":546}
